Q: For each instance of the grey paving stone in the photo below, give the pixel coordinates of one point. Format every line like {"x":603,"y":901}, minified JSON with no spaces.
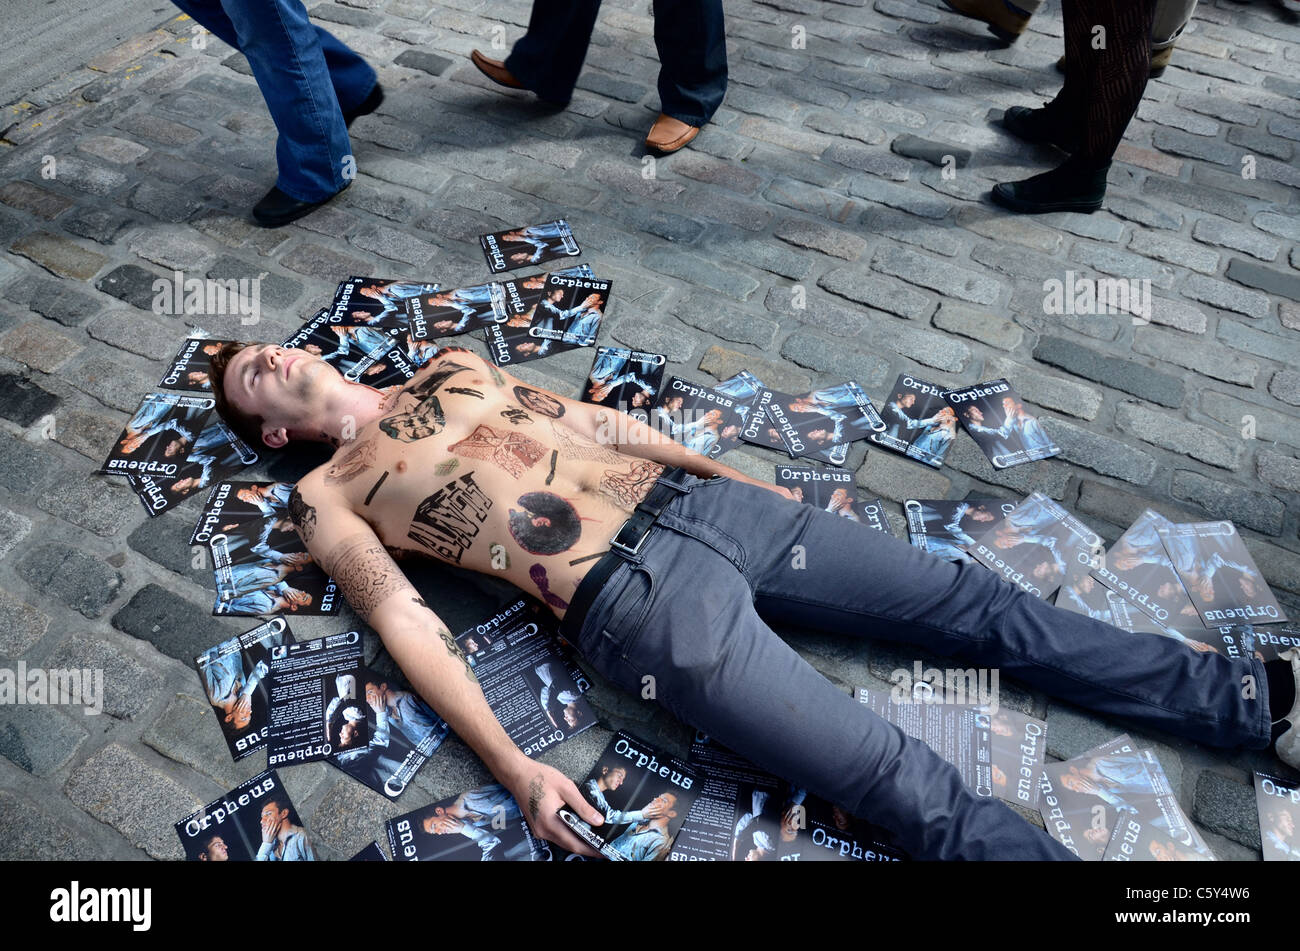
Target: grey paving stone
{"x":816,"y":236}
{"x":874,"y":290}
{"x":1279,"y":470}
{"x":57,"y":300}
{"x":943,"y":154}
{"x":1153,"y":244}
{"x":1226,"y":807}
{"x":177,"y":627}
{"x":188,"y":732}
{"x":394,"y":244}
{"x":131,"y":682}
{"x":1240,"y":416}
{"x":1210,"y":359}
{"x":1046,"y":477}
{"x":1099,"y":453}
{"x":926,"y":348}
{"x":70,"y":576}
{"x":1046,"y":389}
{"x":59,"y":256}
{"x":978,"y":324}
{"x":895,"y":477}
{"x":27,"y":832}
{"x":903,"y":197}
{"x":91,"y":503}
{"x":655,"y":336}
{"x":131,"y":284}
{"x":13,"y":529}
{"x":1283,"y":348}
{"x":726,"y":322}
{"x":1120,"y":374}
{"x":24,"y":625}
{"x":324,"y":264}
{"x":350,"y":817}
{"x":693,"y":269}
{"x":98,"y":224}
{"x":1223,"y":500}
{"x":721,"y":363}
{"x":37,"y":345}
{"x":38,"y":739}
{"x":828,"y":357}
{"x":1270,"y":280}
{"x":430,"y":63}
{"x":24,"y":196}
{"x":138,"y":800}
{"x":1225,"y":296}
{"x":816,"y":312}
{"x":1177,"y":435}
{"x":1285,"y":385}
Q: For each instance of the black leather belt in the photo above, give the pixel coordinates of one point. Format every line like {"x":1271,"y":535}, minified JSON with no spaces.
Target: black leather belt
{"x":625,"y":545}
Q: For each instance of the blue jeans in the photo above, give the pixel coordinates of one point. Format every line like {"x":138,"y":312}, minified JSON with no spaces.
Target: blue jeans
{"x":690,"y":36}
{"x":686,"y":611}
{"x":308,"y":79}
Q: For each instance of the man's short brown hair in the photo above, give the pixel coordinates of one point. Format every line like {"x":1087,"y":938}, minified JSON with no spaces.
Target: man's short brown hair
{"x":246,"y":426}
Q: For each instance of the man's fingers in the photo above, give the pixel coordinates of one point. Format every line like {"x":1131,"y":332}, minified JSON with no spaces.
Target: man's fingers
{"x":578,"y":804}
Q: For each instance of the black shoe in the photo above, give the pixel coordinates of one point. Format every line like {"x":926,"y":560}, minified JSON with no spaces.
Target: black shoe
{"x":1072,"y":187}
{"x":368,"y":105}
{"x":1040,"y":125}
{"x":277,"y":209}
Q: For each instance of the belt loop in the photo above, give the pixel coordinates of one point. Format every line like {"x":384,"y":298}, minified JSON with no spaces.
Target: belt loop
{"x":668,"y":477}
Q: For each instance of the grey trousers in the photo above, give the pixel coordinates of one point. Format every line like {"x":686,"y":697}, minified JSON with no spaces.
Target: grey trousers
{"x":1172,"y":17}
{"x":683,"y":621}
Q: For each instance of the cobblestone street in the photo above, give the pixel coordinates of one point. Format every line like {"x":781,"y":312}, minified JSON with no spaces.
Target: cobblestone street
{"x":820,"y":182}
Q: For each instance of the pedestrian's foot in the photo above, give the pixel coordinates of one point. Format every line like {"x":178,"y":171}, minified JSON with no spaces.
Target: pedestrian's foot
{"x":495,"y":70}
{"x":277,"y":209}
{"x":1002,"y":22}
{"x":669,"y":134}
{"x":1042,"y":126}
{"x":1288,"y":744}
{"x":367,"y":106}
{"x":1075,"y":186}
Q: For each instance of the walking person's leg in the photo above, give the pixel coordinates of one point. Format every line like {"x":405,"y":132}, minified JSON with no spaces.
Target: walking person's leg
{"x":679,"y":626}
{"x":1006,"y":20}
{"x":1108,"y":62}
{"x":1172,"y":17}
{"x":287,"y":55}
{"x":691,"y":38}
{"x":547,"y":59}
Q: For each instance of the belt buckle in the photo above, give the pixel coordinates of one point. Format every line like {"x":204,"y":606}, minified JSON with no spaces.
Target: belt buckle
{"x":632,"y":551}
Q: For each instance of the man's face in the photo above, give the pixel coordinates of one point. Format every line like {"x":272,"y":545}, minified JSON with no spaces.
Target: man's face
{"x":174,"y":448}
{"x":555,"y":295}
{"x":527,"y":347}
{"x":615,"y":778}
{"x":1285,"y":824}
{"x":217,"y":851}
{"x":348,"y":733}
{"x":1008,"y":405}
{"x":299,"y":599}
{"x":819,"y":435}
{"x":980,"y":515}
{"x":571,"y":717}
{"x":271,"y":814}
{"x":1044,"y":569}
{"x":240,"y":718}
{"x":278,"y":384}
{"x":641,"y":398}
{"x":974,"y":415}
{"x":908,"y":401}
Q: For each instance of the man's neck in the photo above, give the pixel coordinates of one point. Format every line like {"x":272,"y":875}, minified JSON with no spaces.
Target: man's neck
{"x":349,"y":408}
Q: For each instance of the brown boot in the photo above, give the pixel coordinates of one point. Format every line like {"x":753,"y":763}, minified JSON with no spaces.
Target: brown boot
{"x":1002,"y":23}
{"x":495,"y":70}
{"x":669,"y":134}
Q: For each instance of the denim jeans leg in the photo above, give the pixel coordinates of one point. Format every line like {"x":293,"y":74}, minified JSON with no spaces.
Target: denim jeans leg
{"x":548,"y":58}
{"x":691,"y":38}
{"x":679,"y":623}
{"x":353,"y":78}
{"x":285,"y":51}
{"x":857,"y":581}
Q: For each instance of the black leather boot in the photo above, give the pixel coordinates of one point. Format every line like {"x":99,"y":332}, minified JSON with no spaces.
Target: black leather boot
{"x":1077,"y":185}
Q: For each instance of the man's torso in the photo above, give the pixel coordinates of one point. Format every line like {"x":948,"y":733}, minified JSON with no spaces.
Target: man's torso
{"x":467,"y":469}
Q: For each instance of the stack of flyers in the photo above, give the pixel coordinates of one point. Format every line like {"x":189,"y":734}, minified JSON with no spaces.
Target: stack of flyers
{"x":173,"y":446}
{"x":456,"y":311}
{"x":1038,"y":546}
{"x":736,"y":816}
{"x":1151,"y":826}
{"x":1219,"y":574}
{"x":1080,"y":798}
{"x":189,"y":369}
{"x":567,"y":316}
{"x":234,"y":675}
{"x":743,"y":813}
{"x":371,"y":853}
{"x":1138,"y":567}
{"x":644,"y":796}
{"x":481,"y":825}
{"x":255,"y":821}
{"x":704,"y":420}
{"x":520,"y":295}
{"x":531,"y":244}
{"x":995,"y":416}
{"x":958,"y":732}
{"x":403,"y":731}
{"x":832,"y":490}
{"x":816,"y":425}
{"x":1278,"y":802}
{"x":376,"y":356}
{"x":1018,"y":744}
{"x":814,"y":830}
{"x":919,"y":423}
{"x":258,"y":558}
{"x":1265,"y":641}
{"x":373,"y":302}
{"x":944,"y":528}
{"x":317,"y":699}
{"x":527,"y":677}
{"x":626,"y":380}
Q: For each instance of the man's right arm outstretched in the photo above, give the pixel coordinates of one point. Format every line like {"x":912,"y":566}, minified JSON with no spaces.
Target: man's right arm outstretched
{"x":345,"y":546}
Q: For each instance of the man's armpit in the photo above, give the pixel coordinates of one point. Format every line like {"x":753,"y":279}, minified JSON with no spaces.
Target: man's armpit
{"x":366,"y":573}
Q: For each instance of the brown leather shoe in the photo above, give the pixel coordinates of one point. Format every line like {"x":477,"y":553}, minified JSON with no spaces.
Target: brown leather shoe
{"x":495,"y":70}
{"x":669,"y":134}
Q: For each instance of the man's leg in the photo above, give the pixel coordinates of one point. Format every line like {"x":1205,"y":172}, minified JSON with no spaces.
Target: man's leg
{"x":691,"y":38}
{"x":1172,"y":17}
{"x":680,"y":626}
{"x":858,"y":581}
{"x":548,"y":58}
{"x":287,"y":56}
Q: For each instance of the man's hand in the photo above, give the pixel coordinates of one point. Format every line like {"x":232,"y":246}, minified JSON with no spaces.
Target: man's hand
{"x":270,"y":829}
{"x":654,"y":809}
{"x":540,"y":791}
{"x":242,"y":708}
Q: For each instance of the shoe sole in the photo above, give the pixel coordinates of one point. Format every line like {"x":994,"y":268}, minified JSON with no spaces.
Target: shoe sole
{"x":1038,"y":208}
